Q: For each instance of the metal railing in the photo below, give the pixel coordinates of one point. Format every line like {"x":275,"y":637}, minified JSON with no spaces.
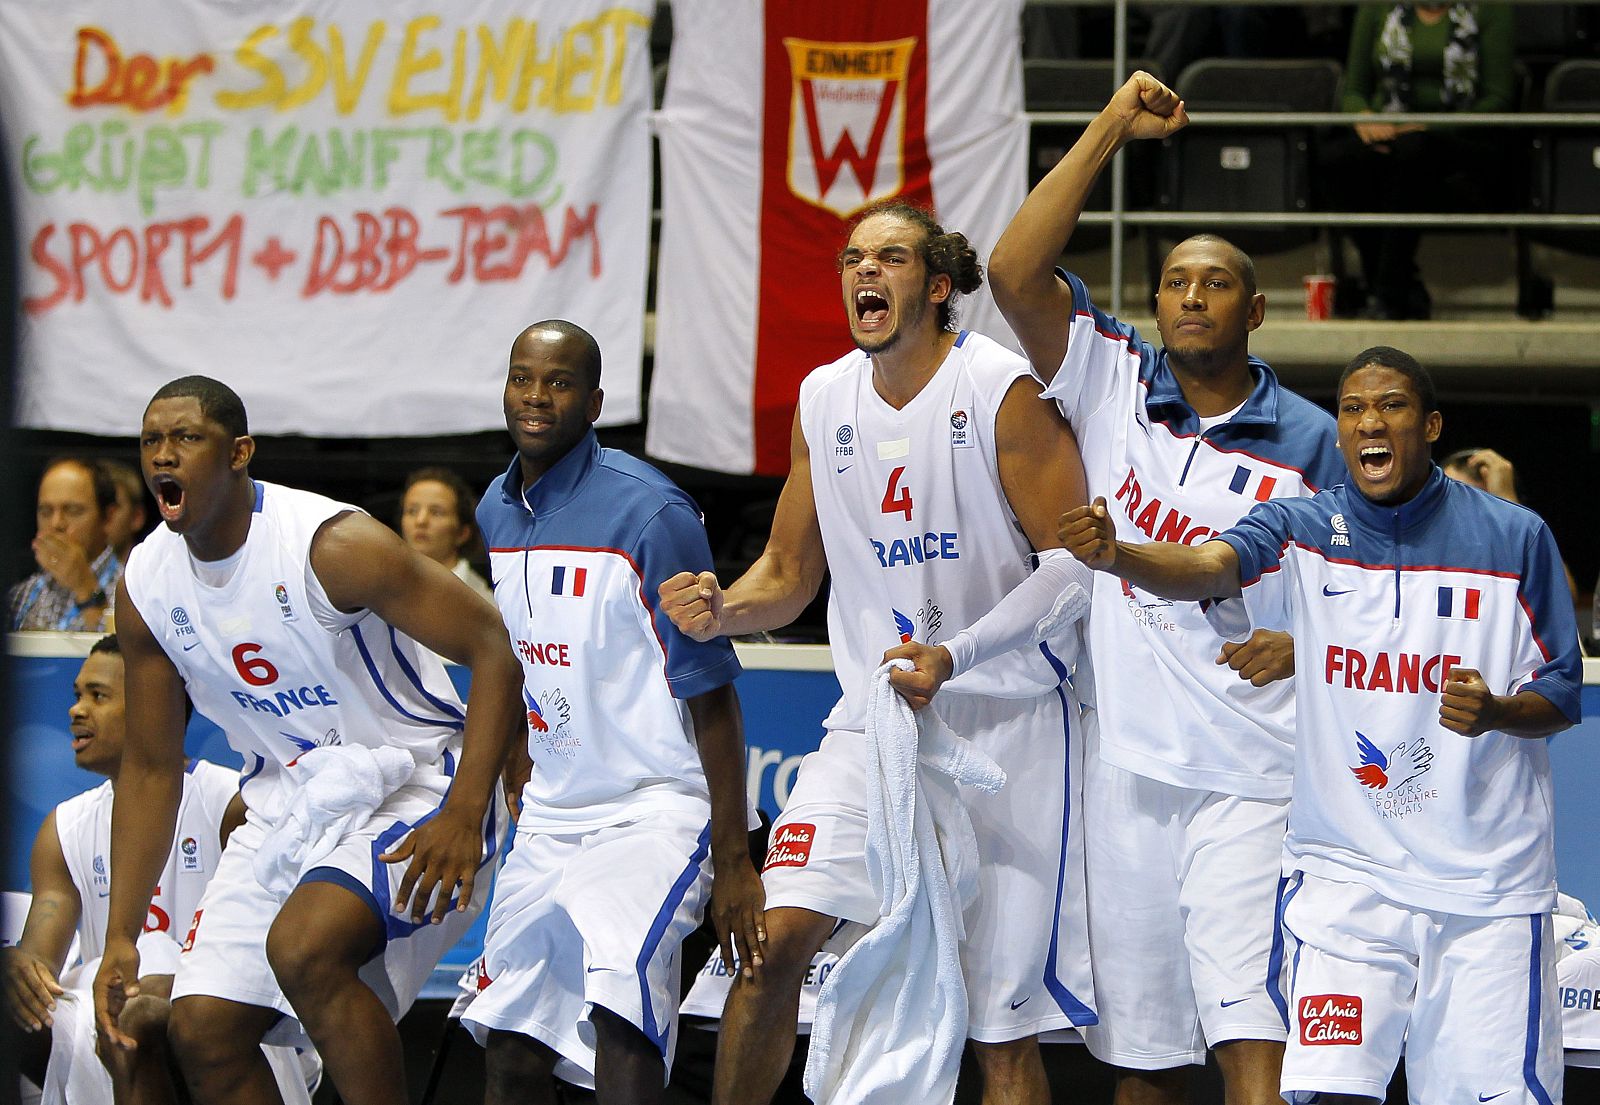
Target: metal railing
{"x":1119,"y":218}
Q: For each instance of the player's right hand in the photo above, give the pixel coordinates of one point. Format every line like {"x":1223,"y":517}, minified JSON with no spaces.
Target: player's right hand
{"x":1087,"y":533}
{"x":116,"y":982}
{"x":931,"y":666}
{"x":1145,"y":108}
{"x":694,"y":603}
{"x":31,"y":988}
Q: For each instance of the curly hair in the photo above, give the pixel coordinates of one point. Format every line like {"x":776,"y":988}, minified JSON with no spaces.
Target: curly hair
{"x":943,"y":253}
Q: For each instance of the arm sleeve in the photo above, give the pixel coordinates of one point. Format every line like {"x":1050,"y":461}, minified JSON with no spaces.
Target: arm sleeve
{"x":1497,"y":81}
{"x":672,"y":541}
{"x":1260,"y":539}
{"x":1013,"y":622}
{"x":1098,"y":350}
{"x":1548,"y":659}
{"x":1360,"y":66}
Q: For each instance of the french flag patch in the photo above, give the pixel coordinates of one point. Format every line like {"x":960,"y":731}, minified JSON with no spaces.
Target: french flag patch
{"x":1460,"y":603}
{"x":568,"y":581}
{"x":1255,"y":484}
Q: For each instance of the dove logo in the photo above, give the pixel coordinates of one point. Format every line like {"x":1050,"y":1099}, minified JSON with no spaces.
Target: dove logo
{"x":903,"y":626}
{"x":536,"y":720}
{"x":1408,"y":761}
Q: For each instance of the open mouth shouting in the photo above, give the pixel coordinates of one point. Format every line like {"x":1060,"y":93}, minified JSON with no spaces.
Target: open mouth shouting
{"x":871,"y":309}
{"x":169,"y":495}
{"x":1376,"y":461}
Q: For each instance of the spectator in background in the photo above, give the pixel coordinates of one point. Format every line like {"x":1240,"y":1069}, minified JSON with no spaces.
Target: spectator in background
{"x":1488,"y":471}
{"x":1423,"y":57}
{"x":125,"y":522}
{"x":436,"y":520}
{"x":78,"y":570}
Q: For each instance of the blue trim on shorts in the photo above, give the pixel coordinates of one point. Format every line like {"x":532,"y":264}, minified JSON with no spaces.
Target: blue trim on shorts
{"x":416,"y":680}
{"x":1530,"y":1054}
{"x":383,"y":689}
{"x":397,"y":927}
{"x":1079,"y":1013}
{"x":1275,"y":957}
{"x":349,"y":882}
{"x":261,"y":762}
{"x":658,"y":930}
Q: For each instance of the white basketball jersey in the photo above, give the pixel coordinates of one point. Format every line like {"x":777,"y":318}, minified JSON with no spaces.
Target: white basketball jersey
{"x":268,"y":659}
{"x":920,"y":539}
{"x":83,"y":825}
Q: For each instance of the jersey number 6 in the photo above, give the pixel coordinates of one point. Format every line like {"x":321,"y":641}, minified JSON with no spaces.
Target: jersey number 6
{"x":254,"y":670}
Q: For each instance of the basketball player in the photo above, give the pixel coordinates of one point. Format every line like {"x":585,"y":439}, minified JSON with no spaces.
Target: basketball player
{"x":1184,"y":804}
{"x":635,"y":807}
{"x":1438,"y":647}
{"x":294,"y":622}
{"x":69,"y":875}
{"x":924,"y":474}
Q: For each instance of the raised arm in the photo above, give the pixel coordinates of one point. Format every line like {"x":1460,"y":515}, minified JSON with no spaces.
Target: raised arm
{"x":1036,"y":302}
{"x":145,"y":810}
{"x":1163,"y":568}
{"x":364,"y":564}
{"x":778,"y":585}
{"x":33,"y":964}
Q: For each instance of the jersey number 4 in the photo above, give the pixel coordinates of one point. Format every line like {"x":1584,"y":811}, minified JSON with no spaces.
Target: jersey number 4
{"x":897,"y":497}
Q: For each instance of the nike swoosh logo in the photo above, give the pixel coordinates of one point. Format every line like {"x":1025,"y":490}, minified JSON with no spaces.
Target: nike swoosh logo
{"x":1235,"y":1001}
{"x":1020,"y":1004}
{"x":1330,"y":593}
{"x":1491,"y":1097}
{"x":592,"y":970}
{"x":186,"y":648}
{"x":842,"y":471}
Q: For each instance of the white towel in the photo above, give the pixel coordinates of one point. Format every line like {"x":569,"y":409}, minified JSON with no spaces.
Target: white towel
{"x":340,"y":787}
{"x":891,"y":1019}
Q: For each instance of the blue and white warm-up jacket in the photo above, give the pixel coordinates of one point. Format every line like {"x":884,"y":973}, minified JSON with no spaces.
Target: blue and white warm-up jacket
{"x":1168,"y":710}
{"x":576,"y":561}
{"x":1383,"y":601}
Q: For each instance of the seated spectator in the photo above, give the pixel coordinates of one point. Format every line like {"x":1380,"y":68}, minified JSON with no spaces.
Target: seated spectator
{"x":125,"y":523}
{"x":1418,"y":58}
{"x":78,"y":570}
{"x":436,"y":519}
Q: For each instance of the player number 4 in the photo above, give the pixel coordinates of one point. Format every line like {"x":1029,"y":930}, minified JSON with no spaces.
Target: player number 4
{"x":254,"y":670}
{"x":894,"y":503}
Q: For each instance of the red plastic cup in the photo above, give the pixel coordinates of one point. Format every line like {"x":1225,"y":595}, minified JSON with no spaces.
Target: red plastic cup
{"x":1319,"y":297}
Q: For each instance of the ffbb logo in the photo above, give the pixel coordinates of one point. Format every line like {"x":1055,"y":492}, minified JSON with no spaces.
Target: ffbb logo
{"x":1328,"y":1019}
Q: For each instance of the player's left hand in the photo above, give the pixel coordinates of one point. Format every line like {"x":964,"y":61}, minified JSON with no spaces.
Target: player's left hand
{"x":1266,"y":657}
{"x":444,"y":855}
{"x":931,"y":666}
{"x":1089,"y":535}
{"x":738,"y":902}
{"x":1467,"y":706}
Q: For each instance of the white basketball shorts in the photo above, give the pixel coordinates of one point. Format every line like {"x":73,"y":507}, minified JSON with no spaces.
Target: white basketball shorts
{"x":1026,"y":953}
{"x":1183,"y":890}
{"x":1471,"y":1001}
{"x":225,"y":953}
{"x":592,"y":919}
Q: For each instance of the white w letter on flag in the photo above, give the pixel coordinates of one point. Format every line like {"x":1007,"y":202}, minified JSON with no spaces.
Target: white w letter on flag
{"x":843,"y":90}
